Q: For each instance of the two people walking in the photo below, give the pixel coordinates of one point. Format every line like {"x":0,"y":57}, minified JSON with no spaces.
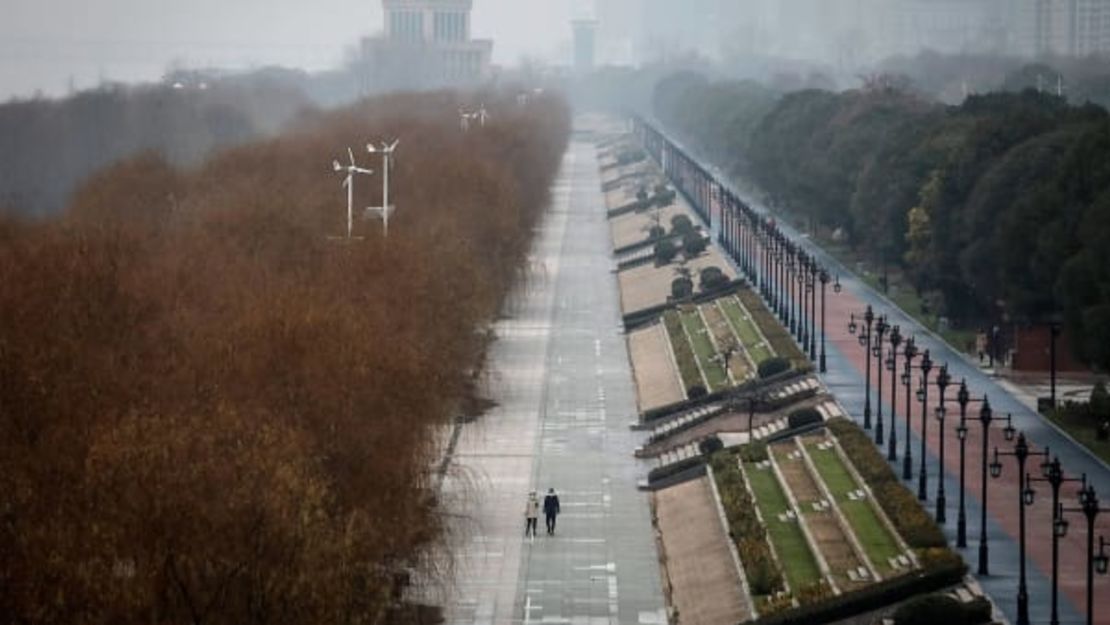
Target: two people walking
{"x":532,"y":512}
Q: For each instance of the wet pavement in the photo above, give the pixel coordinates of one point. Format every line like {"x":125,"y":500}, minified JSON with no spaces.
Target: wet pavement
{"x":560,"y":374}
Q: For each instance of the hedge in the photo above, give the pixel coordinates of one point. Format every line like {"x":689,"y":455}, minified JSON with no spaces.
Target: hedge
{"x":764,"y":575}
{"x":712,"y":278}
{"x":693,"y":243}
{"x":942,"y":608}
{"x":804,"y":416}
{"x":778,"y":336}
{"x":681,"y":224}
{"x":902,"y":508}
{"x":665,"y":251}
{"x":683,"y":353}
{"x":872,"y":597}
{"x":772,"y":367}
{"x":681,"y":288}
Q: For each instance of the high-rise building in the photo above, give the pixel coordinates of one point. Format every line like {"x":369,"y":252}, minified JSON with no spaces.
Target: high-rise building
{"x":1070,"y":27}
{"x":585,"y":33}
{"x":426,"y":44}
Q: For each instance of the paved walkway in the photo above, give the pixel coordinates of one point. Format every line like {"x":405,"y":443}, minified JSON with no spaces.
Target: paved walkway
{"x":705,"y":586}
{"x":561,"y":377}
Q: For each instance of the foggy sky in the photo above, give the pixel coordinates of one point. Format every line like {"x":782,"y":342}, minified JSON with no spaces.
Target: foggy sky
{"x":44,"y":44}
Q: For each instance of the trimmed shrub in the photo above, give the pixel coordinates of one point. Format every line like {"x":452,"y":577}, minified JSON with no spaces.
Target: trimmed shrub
{"x":696,"y":391}
{"x":682,"y":287}
{"x":710,"y":445}
{"x":683,"y":353}
{"x":931,"y":609}
{"x":693,"y":243}
{"x":773,"y":366}
{"x":681,"y":224}
{"x":656,"y":231}
{"x":754,"y":452}
{"x":642,"y":195}
{"x":803,"y":417}
{"x":712,"y":278}
{"x":665,"y":251}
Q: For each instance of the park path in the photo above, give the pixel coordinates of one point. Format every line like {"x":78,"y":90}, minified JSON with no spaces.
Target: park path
{"x":560,"y":375}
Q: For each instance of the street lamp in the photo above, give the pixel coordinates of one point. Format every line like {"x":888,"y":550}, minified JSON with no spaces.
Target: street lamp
{"x":986,"y":417}
{"x":963,"y":398}
{"x":923,"y":397}
{"x":1090,"y":509}
{"x":1054,"y":333}
{"x":881,"y":326}
{"x":1054,"y":475}
{"x":801,"y":278}
{"x":909,"y":352}
{"x":812,"y":310}
{"x":1025,"y":498}
{"x":791,"y":293}
{"x":892,"y":366}
{"x":943,"y":380}
{"x":824,"y":277}
{"x":865,"y":342}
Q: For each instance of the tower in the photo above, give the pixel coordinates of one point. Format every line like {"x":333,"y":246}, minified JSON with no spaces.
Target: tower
{"x":585,"y":32}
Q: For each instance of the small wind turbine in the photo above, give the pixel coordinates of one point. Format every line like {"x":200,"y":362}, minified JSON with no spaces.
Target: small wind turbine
{"x":464,"y":120}
{"x":387,"y":159}
{"x":482,"y":115}
{"x":349,"y":183}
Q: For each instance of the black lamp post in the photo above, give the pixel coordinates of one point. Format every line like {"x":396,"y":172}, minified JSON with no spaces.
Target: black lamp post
{"x":881,"y":327}
{"x":892,"y":366}
{"x":791,"y":293}
{"x":1054,"y":476}
{"x":823,"y":276}
{"x":1054,"y":333}
{"x":1025,"y":498}
{"x":943,"y":380}
{"x":1089,"y":507}
{"x":986,"y":417}
{"x":963,"y":398}
{"x":923,"y":396}
{"x":865,"y":342}
{"x":801,"y":278}
{"x":909,"y":352}
{"x":812,"y":310}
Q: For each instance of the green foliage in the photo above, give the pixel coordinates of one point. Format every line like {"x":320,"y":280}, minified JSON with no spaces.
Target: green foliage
{"x":764,"y":575}
{"x":803,"y":417}
{"x":712,"y":278}
{"x":681,"y":224}
{"x":693,"y":243}
{"x":682,"y":288}
{"x":655,"y":232}
{"x":710,"y":445}
{"x":941,"y":608}
{"x":902,"y":508}
{"x":665,"y":251}
{"x":773,"y":366}
{"x":949,"y":194}
{"x":683,"y":353}
{"x":664,"y":198}
{"x":642,"y":195}
{"x":753,"y":452}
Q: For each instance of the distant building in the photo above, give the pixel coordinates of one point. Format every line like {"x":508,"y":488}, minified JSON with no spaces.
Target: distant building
{"x":1070,"y":27}
{"x":585,"y":33}
{"x":426,"y":44}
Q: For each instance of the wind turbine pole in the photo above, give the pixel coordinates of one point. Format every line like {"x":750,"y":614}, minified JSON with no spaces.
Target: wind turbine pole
{"x":385,"y":192}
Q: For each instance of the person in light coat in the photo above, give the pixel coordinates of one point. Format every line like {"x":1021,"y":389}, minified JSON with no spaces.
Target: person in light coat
{"x":531,"y":514}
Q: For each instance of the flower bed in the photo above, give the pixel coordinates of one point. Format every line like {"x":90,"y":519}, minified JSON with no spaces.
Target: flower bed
{"x":764,"y":576}
{"x":683,"y":353}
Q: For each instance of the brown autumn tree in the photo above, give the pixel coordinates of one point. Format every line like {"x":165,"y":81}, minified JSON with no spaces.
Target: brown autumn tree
{"x":212,"y":411}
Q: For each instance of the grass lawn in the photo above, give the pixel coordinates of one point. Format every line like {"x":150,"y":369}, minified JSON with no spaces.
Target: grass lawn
{"x":798,"y":563}
{"x":703,"y":349}
{"x":876,"y":540}
{"x":746,"y":329}
{"x":1084,"y":431}
{"x":779,"y":337}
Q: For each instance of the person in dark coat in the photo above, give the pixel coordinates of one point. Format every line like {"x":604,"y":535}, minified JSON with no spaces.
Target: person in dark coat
{"x":551,"y":509}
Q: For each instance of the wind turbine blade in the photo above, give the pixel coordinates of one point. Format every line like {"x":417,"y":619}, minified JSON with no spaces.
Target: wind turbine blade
{"x":364,"y":171}
{"x":394,"y":145}
{"x":351,"y":153}
{"x":346,"y":182}
{"x":336,"y":166}
{"x":370,"y":148}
